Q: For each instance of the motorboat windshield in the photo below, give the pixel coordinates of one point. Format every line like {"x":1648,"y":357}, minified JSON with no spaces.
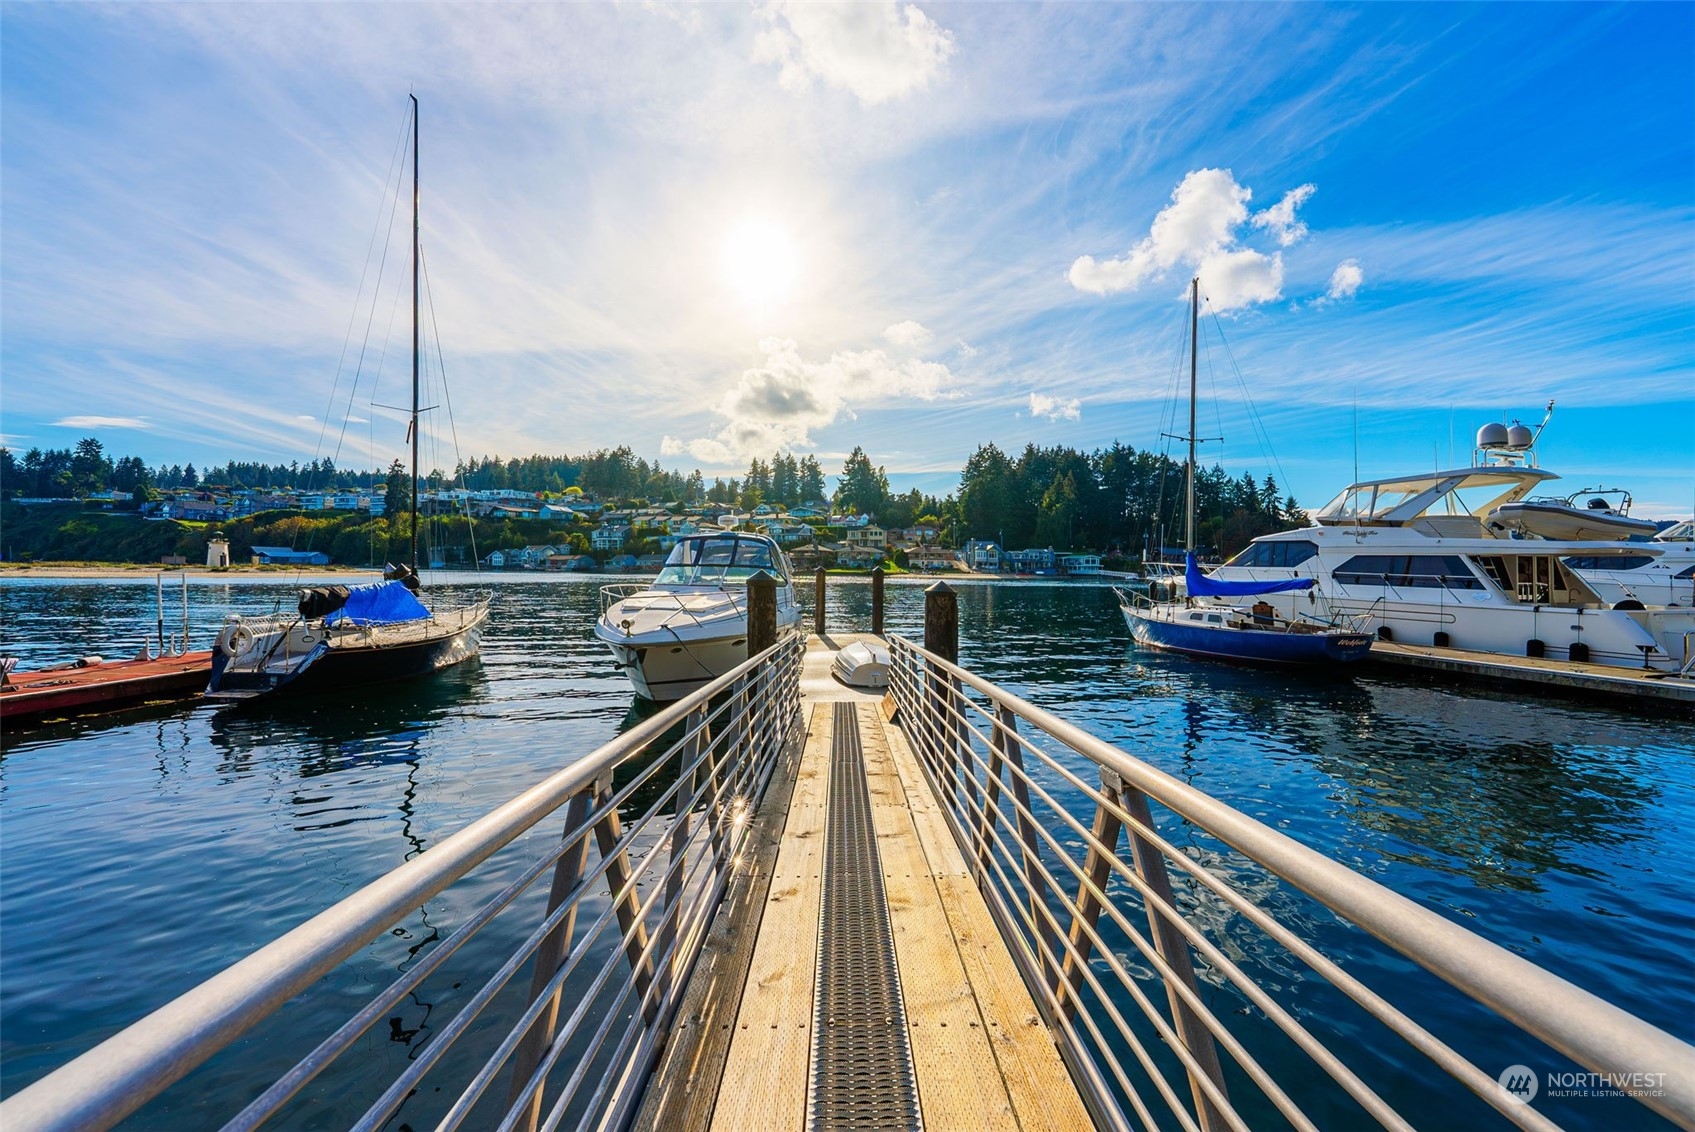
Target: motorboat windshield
{"x":1473,"y":492}
{"x":716,"y":560}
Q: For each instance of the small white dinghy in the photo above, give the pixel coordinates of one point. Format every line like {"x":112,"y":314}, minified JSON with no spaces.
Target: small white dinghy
{"x":860,"y":665}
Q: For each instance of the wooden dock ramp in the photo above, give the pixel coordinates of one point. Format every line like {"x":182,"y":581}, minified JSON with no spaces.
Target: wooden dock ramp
{"x":824,"y":999}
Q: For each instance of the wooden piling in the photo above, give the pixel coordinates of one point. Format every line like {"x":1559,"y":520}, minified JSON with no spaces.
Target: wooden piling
{"x":877,"y":602}
{"x":941,"y":622}
{"x":818,"y":601}
{"x":761,"y":613}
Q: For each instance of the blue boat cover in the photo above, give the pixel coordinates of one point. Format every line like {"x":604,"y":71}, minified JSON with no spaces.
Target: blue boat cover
{"x":379,"y":603}
{"x":1202,"y":586}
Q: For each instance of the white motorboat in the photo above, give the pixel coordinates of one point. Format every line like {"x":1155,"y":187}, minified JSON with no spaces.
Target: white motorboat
{"x":861,"y":664}
{"x":1420,"y":559}
{"x":687,"y":627}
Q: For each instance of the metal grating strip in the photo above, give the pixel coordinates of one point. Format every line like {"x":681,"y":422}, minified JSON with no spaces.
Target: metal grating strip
{"x":862,"y":1075}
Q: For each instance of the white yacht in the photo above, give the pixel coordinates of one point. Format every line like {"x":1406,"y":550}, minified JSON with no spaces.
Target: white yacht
{"x":688,"y":626}
{"x":1422,"y":559}
{"x":1658,"y":572}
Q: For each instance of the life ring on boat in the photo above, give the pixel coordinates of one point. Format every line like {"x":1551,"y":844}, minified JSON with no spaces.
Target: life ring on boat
{"x":238,"y":640}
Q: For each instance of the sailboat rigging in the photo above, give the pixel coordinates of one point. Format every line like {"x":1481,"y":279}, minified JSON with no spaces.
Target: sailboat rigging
{"x":345,"y":636}
{"x":1201,"y":623}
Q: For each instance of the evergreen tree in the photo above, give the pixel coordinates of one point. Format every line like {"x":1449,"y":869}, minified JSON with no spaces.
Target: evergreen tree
{"x":397,"y":495}
{"x":863,"y":489}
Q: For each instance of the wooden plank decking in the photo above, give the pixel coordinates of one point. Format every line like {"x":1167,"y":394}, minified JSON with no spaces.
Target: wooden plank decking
{"x":740,"y":1052}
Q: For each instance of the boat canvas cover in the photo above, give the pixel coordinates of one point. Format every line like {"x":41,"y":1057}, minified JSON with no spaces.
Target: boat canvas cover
{"x":379,"y":603}
{"x":1200,"y":585}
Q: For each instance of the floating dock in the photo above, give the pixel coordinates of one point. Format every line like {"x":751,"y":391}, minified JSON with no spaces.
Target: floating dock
{"x":854,"y":977}
{"x":102,"y":685}
{"x":1571,"y":677}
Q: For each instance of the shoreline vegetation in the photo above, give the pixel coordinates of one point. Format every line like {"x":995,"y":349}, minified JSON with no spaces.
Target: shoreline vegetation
{"x":98,"y":570}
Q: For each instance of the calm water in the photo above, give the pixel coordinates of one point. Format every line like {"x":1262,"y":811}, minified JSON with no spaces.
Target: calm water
{"x":140,"y":855}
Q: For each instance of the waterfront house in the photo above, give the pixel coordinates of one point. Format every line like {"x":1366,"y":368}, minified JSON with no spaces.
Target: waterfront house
{"x":610,"y":536}
{"x":859,"y":556}
{"x":496,"y":560}
{"x":811,"y":557}
{"x":534,"y":557}
{"x":575,"y":562}
{"x":981,"y":555}
{"x":868,"y":535}
{"x":931,"y":558}
{"x":624,"y":562}
{"x":1035,"y":560}
{"x":286,"y":556}
{"x":1080,"y":564}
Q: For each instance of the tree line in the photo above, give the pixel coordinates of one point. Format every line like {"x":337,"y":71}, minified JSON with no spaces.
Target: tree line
{"x":1114,"y":499}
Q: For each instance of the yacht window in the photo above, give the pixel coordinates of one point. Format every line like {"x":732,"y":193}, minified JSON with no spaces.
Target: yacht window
{"x":1496,"y":568}
{"x":1214,"y":619}
{"x":1407,"y":571}
{"x":1609,"y":561}
{"x":1351,"y":504}
{"x":1685,"y":574}
{"x":1286,"y":554}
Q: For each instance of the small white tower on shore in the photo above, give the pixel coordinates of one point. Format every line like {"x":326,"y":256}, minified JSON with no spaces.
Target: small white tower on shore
{"x":217,"y":553}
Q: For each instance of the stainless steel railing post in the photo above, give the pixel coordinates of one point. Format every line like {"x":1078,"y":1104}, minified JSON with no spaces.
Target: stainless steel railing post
{"x":607,"y":833}
{"x":567,"y":877}
{"x":1170,"y":945}
{"x":1005,"y":723}
{"x":1097,"y":869}
{"x":1030,"y":852}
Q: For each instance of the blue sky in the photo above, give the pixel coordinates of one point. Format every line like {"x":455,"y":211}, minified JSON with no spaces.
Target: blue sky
{"x":711,"y":230}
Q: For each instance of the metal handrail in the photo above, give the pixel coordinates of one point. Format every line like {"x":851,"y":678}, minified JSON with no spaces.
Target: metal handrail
{"x":661,"y":879}
{"x":1066,"y":897}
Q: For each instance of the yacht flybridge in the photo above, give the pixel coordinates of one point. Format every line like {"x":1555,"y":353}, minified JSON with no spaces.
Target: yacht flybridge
{"x":688,"y":626}
{"x":1428,"y":559}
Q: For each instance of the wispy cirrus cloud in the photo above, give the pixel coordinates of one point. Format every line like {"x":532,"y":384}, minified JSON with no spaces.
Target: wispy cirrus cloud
{"x":103,"y":422}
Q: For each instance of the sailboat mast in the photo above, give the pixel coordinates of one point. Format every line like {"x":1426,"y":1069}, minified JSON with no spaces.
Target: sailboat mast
{"x":414,"y":429}
{"x":1194,"y":343}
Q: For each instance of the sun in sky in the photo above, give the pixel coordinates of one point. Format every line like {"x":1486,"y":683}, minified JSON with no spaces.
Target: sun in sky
{"x":707,"y":231}
{"x":759,"y":263}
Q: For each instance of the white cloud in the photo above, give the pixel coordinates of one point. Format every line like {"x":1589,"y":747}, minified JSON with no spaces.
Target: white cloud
{"x":1240,"y":278}
{"x":1280,"y":217}
{"x":102,"y":422}
{"x":907,"y":333}
{"x":776,"y":405}
{"x":1199,"y":230}
{"x":1054,"y":408}
{"x":1345,"y":280}
{"x":876,"y":51}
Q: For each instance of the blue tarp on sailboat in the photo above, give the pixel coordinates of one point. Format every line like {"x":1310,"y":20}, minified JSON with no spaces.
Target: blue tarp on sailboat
{"x":379,"y":603}
{"x":1202,"y":586}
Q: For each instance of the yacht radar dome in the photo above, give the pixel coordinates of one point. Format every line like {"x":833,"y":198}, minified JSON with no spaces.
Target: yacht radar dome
{"x":1519,"y":437}
{"x":1492,"y":436}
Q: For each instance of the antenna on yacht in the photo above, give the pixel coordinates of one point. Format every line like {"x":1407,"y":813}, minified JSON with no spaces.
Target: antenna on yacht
{"x":1548,"y":416}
